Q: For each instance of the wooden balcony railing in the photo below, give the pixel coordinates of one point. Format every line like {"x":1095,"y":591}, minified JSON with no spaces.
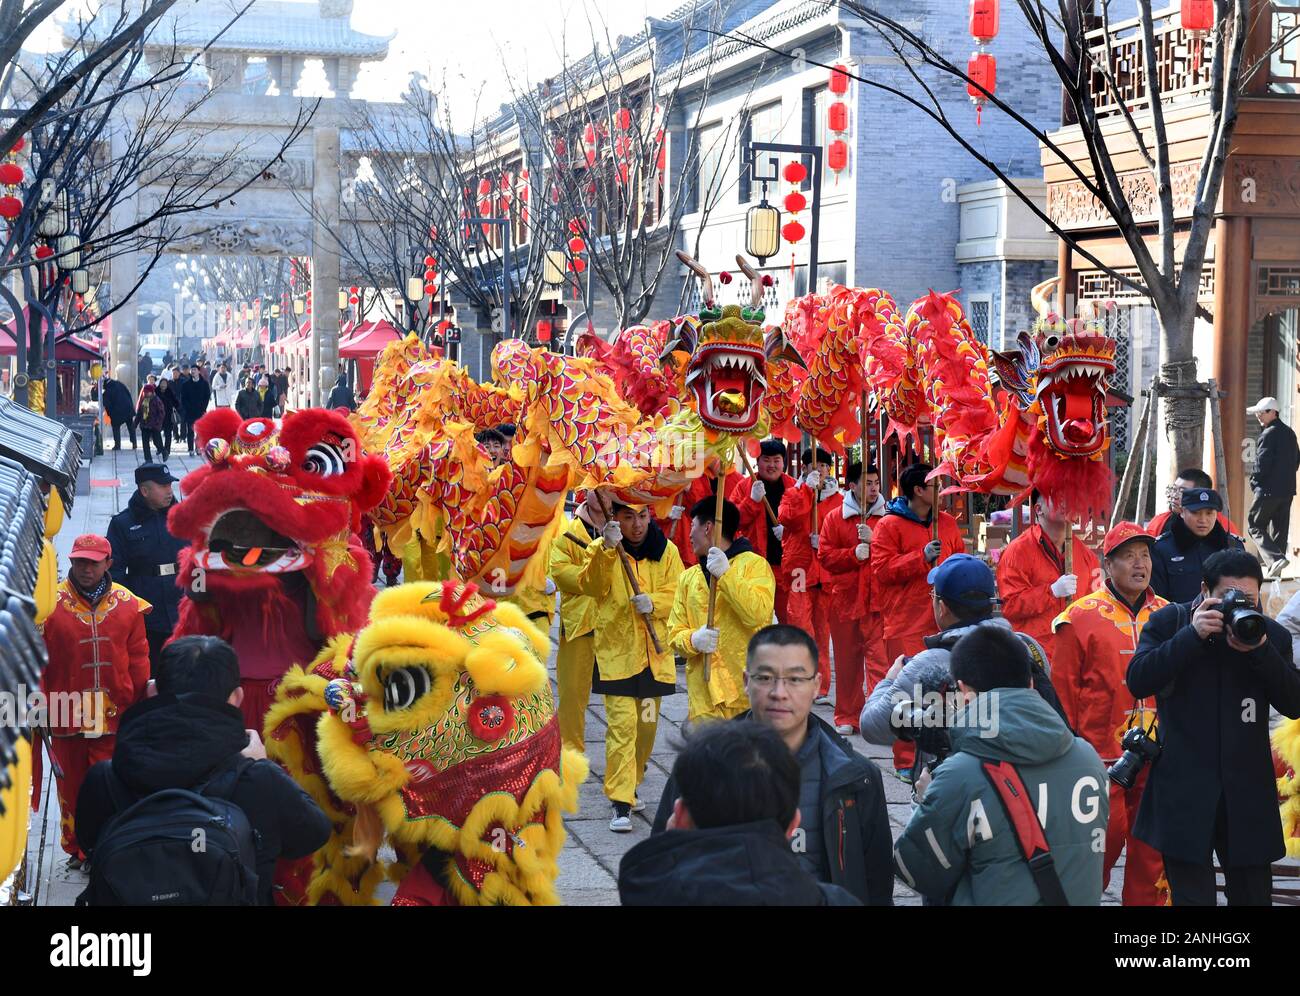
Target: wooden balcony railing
{"x":1182,"y":67}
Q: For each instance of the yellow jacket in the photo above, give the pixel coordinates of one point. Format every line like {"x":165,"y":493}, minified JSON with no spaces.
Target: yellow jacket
{"x":623,"y":646}
{"x":568,"y":552}
{"x":745,"y":596}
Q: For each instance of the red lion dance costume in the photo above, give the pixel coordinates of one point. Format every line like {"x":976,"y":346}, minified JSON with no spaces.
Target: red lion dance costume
{"x":274,"y":566}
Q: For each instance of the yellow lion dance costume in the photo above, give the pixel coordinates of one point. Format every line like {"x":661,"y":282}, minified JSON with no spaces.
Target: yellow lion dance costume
{"x":433,"y":727}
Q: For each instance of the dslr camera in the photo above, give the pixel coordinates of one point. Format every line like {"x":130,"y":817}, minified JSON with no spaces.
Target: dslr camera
{"x":1140,"y":749}
{"x":1241,"y":618}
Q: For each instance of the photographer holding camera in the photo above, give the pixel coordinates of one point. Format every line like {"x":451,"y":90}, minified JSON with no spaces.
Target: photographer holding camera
{"x":1215,"y":666}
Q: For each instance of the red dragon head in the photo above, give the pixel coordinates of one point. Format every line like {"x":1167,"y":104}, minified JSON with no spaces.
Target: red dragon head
{"x":1065,"y":367}
{"x":277,"y":497}
{"x":727,"y":370}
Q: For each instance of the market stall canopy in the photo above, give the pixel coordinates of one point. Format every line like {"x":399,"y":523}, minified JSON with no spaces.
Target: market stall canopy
{"x":371,"y":341}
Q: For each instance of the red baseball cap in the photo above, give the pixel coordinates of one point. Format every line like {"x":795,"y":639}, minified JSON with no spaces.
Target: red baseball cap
{"x":1123,"y":533}
{"x":90,"y":547}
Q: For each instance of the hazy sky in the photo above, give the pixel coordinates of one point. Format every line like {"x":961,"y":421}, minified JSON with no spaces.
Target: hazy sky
{"x":471,"y":41}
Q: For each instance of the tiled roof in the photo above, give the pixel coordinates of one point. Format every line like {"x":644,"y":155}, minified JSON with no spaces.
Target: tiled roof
{"x":270,"y":27}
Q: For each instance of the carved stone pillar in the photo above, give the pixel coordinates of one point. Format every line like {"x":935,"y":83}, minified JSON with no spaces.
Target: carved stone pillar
{"x":325,"y":264}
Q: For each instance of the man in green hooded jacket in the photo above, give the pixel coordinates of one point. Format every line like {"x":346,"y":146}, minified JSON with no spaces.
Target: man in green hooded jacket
{"x":960,"y":846}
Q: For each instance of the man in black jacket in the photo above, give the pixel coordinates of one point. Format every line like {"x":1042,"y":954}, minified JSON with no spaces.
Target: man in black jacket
{"x":195,"y":393}
{"x":120,"y":410}
{"x":844,"y":826}
{"x":1196,"y":534}
{"x":733,"y":835}
{"x":1212,"y":786}
{"x":145,"y":553}
{"x":1277,"y":458}
{"x":191,"y":730}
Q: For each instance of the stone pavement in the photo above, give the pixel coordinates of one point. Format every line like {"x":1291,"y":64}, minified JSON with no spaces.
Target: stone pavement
{"x":589,"y":862}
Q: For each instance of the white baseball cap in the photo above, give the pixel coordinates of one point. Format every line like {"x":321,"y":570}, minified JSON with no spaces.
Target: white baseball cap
{"x":1263,"y":405}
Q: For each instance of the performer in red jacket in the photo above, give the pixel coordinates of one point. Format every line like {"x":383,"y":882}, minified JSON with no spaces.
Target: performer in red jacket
{"x":99,"y":667}
{"x":1095,"y":640}
{"x":769,"y":481}
{"x":903,"y":551}
{"x":1033,"y":581}
{"x":800,"y":562}
{"x":846,"y":583}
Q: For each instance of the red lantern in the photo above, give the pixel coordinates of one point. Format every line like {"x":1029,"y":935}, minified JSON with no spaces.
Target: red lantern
{"x":984,"y":20}
{"x":543,"y":331}
{"x":353,"y":299}
{"x":11,"y":174}
{"x":589,"y":134}
{"x":577,"y":265}
{"x":10,"y":207}
{"x":795,"y":201}
{"x":430,"y":261}
{"x":795,"y":172}
{"x":44,"y":252}
{"x":622,"y":173}
{"x":19,"y":145}
{"x":983,"y":70}
{"x":623,"y":119}
{"x":484,"y":187}
{"x":620,"y":146}
{"x":837,"y":155}
{"x":837,"y":116}
{"x":354,"y":291}
{"x":430,"y":289}
{"x":576,"y":226}
{"x":1197,"y":16}
{"x":662,"y":158}
{"x":839,"y":80}
{"x":576,"y":245}
{"x":792,"y":231}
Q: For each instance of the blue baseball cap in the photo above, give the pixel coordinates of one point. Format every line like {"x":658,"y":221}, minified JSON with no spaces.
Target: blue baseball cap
{"x":964,"y":579}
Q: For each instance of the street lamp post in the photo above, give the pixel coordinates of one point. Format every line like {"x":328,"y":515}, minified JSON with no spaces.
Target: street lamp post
{"x":771,"y":176}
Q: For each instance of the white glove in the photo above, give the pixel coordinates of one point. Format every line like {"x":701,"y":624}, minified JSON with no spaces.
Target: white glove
{"x":813,"y":479}
{"x":778,"y":531}
{"x":643,"y":604}
{"x":717,"y":562}
{"x":814,"y":540}
{"x":675,"y":512}
{"x":705,"y":640}
{"x":864,"y":533}
{"x":550,"y":587}
{"x":612,"y":534}
{"x":1065,"y":586}
{"x":932,"y":551}
{"x":758,"y":491}
{"x":862,"y":551}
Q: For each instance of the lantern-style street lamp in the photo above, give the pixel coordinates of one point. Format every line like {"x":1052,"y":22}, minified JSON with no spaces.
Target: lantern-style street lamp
{"x":762,"y":229}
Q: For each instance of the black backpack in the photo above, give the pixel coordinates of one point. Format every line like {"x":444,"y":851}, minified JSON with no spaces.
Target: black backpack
{"x":178,"y":847}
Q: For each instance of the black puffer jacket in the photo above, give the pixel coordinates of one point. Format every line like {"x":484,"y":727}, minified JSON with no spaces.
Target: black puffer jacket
{"x":117,"y":401}
{"x":180,"y":742}
{"x":746,"y":865}
{"x":854,"y":820}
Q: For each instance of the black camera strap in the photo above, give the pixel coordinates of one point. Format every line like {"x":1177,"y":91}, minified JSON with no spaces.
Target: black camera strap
{"x":1011,"y":791}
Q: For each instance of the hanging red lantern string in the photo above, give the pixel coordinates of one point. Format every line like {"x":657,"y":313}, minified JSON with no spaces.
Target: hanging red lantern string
{"x":792,"y":231}
{"x":837,"y":121}
{"x":11,"y":174}
{"x":982,"y":68}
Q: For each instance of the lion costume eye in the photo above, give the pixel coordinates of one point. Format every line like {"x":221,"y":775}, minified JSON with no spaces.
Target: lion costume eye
{"x":404,"y":687}
{"x":1050,"y":343}
{"x":325,"y":460}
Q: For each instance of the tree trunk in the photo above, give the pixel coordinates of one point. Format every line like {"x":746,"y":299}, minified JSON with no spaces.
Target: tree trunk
{"x":1184,"y":417}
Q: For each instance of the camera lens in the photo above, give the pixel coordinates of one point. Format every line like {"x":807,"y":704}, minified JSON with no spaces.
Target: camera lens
{"x":1124,"y":772}
{"x":1247,"y":626}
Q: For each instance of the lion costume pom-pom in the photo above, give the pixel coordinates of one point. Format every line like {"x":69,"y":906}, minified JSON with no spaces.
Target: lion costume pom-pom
{"x":439,"y":734}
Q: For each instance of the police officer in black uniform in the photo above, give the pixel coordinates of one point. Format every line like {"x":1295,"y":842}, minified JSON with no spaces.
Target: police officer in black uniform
{"x":145,"y":553}
{"x":1192,"y":538}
